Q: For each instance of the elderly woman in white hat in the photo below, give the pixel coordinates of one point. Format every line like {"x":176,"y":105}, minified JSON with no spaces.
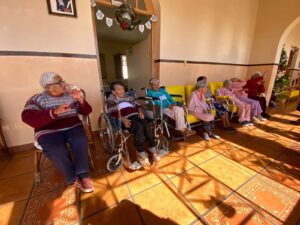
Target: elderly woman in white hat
{"x":54,"y":116}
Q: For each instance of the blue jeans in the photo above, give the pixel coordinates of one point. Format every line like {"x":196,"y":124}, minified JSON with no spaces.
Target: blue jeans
{"x":55,"y":148}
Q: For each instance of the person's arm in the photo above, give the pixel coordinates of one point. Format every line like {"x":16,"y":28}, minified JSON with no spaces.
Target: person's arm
{"x":151,"y":94}
{"x":169,"y":97}
{"x":38,"y":118}
{"x":35,"y":116}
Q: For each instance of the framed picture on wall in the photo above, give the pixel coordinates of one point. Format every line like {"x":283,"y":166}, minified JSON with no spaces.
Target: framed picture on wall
{"x":62,"y":7}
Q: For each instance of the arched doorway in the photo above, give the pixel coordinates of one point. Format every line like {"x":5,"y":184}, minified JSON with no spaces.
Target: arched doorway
{"x":290,"y":53}
{"x":127,"y":55}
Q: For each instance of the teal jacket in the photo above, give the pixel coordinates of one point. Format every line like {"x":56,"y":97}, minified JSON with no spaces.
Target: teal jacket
{"x":163,"y":95}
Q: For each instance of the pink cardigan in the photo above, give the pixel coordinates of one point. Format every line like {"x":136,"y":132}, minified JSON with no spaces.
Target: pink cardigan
{"x":199,"y":108}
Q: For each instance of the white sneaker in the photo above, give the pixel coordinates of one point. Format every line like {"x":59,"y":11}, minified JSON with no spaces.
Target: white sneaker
{"x":206,"y":137}
{"x":163,"y":152}
{"x":215,"y":136}
{"x":261,"y":118}
{"x":143,"y":159}
{"x":135,"y":166}
{"x":256,"y":119}
{"x":155,"y":154}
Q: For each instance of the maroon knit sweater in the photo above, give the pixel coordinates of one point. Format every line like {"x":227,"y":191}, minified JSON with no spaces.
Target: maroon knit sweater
{"x":38,"y":113}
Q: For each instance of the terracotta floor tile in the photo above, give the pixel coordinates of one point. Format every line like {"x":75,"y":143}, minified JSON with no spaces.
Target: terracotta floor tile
{"x":269,"y":149}
{"x":109,"y":190}
{"x":174,"y":167}
{"x":168,"y":206}
{"x":19,"y":188}
{"x":142,"y":179}
{"x":4,"y":157}
{"x":100,"y":162}
{"x":18,"y":166}
{"x":199,"y":223}
{"x":200,"y":189}
{"x":202,"y":156}
{"x":2,"y":164}
{"x":283,"y":173}
{"x":227,"y":171}
{"x":52,"y":180}
{"x":59,"y":207}
{"x":125,"y":213}
{"x":11,"y":213}
{"x":281,"y":187}
{"x":276,"y":199}
{"x":247,"y":159}
{"x":237,"y":139}
{"x":191,"y":149}
{"x":234,"y":211}
{"x":290,"y":157}
{"x":222,"y":146}
{"x":23,"y":154}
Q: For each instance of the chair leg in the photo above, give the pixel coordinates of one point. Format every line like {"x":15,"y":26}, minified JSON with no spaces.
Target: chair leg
{"x":38,"y":162}
{"x":91,"y":160}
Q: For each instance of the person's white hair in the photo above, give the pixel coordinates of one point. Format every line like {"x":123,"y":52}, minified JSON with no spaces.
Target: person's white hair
{"x":227,"y":83}
{"x":201,"y":84}
{"x":257,"y":74}
{"x":153,"y":80}
{"x":48,"y":78}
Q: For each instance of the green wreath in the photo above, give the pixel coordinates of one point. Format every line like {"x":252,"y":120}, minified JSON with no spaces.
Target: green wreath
{"x":126,"y":17}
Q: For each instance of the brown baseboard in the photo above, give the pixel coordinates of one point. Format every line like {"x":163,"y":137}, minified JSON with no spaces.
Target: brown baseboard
{"x":21,"y":148}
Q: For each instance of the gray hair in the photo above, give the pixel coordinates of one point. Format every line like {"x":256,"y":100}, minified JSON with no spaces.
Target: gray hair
{"x":227,"y":83}
{"x":48,"y":78}
{"x":201,"y":84}
{"x":152,"y":79}
{"x":257,"y":74}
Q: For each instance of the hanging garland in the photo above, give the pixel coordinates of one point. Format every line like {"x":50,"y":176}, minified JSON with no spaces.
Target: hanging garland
{"x":125,"y":17}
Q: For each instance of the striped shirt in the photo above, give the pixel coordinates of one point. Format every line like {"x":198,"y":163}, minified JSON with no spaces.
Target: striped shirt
{"x":38,"y":113}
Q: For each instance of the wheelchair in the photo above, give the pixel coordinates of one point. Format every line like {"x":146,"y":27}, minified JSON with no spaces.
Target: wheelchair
{"x":114,"y":137}
{"x":168,"y":124}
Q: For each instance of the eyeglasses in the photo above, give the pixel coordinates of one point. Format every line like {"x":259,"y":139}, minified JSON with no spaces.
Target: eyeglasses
{"x":62,"y":82}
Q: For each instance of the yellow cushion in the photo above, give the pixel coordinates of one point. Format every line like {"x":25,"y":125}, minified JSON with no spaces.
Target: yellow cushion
{"x":214,"y":86}
{"x":235,"y":109}
{"x":294,"y":93}
{"x":176,"y":90}
{"x":188,"y":91}
{"x":192,"y":119}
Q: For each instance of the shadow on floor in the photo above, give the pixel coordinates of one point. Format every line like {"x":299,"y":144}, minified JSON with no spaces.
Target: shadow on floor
{"x":124,"y":213}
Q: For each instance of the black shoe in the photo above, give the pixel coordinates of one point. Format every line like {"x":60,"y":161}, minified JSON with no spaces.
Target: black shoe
{"x":233,"y":129}
{"x":228,"y":130}
{"x":266,"y":115}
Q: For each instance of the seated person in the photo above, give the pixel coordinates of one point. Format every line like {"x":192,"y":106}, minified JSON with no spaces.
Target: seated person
{"x":54,"y":116}
{"x":199,"y":108}
{"x":169,"y":106}
{"x":238,"y":90}
{"x":256,"y":91}
{"x":220,"y":109}
{"x":244,"y":109}
{"x":133,"y":118}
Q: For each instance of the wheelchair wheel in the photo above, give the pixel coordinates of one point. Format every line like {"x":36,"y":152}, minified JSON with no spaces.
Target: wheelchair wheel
{"x":106,"y":133}
{"x":114,"y":163}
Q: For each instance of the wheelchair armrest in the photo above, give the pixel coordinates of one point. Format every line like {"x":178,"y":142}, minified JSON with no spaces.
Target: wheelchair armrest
{"x":176,"y":96}
{"x":146,"y":98}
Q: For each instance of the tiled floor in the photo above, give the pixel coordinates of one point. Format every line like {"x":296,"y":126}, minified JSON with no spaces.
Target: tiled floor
{"x":252,"y":177}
